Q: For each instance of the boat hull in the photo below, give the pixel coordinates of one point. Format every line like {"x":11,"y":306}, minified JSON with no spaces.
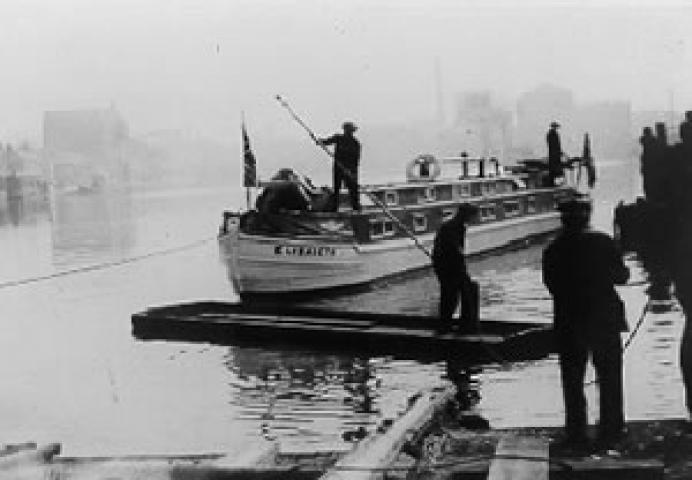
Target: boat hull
{"x":259,"y":265}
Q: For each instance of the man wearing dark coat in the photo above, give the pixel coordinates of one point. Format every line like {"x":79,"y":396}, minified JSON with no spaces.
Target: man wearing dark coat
{"x":450,"y":268}
{"x":650,"y":164}
{"x":554,"y":154}
{"x":346,"y":158}
{"x":284,"y":192}
{"x":580,"y":269}
{"x":680,"y":262}
{"x":681,"y":267}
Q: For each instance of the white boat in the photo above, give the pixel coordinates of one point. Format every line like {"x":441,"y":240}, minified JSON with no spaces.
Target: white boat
{"x":309,"y":251}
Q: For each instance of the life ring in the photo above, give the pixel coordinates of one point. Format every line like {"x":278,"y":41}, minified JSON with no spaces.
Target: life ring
{"x":423,"y":168}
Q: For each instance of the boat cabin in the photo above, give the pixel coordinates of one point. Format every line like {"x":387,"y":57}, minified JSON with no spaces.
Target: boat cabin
{"x":421,"y":203}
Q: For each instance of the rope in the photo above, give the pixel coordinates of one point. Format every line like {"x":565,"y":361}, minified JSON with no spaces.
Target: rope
{"x":645,"y":310}
{"x":104,"y":265}
{"x":631,"y":336}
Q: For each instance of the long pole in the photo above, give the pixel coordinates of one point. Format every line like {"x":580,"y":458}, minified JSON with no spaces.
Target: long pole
{"x":348,"y":173}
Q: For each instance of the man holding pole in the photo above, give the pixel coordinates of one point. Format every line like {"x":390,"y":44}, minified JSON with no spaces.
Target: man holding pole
{"x":449,"y":266}
{"x":346,"y":158}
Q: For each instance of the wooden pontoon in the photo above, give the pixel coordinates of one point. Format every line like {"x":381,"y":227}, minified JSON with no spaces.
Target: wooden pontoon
{"x":409,"y":336}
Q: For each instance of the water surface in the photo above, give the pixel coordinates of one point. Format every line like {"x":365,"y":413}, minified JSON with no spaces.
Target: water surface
{"x":73,"y":373}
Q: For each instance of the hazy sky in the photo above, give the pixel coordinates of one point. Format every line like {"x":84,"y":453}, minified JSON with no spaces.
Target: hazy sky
{"x":195,"y":65}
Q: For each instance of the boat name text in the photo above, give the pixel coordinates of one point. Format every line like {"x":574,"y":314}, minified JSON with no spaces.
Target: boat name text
{"x":303,"y":251}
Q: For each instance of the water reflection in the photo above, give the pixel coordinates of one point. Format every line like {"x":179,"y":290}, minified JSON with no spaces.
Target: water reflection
{"x":305,"y":395}
{"x":92,"y":226}
{"x":19,"y":210}
{"x":310,"y":398}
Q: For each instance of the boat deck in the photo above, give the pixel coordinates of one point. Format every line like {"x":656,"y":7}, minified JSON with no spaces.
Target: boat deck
{"x":406,"y":336}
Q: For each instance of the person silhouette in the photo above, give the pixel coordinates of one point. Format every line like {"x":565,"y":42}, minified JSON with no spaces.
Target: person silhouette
{"x":580,"y":268}
{"x":346,"y":159}
{"x":449,"y":266}
{"x":554,"y":154}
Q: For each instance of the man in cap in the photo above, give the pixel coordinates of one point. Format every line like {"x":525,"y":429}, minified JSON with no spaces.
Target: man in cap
{"x":346,"y":158}
{"x":554,"y":154}
{"x":450,"y":268}
{"x":580,"y":269}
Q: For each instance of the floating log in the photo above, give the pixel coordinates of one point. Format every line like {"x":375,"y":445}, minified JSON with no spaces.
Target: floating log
{"x":374,"y":454}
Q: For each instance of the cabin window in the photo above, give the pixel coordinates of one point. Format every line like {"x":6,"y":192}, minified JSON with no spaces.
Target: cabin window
{"x":428,"y":194}
{"x":366,"y":200}
{"x":448,"y":213}
{"x":488,"y":188}
{"x":511,"y":208}
{"x":376,"y":228}
{"x":488,"y":212}
{"x":531,"y":204}
{"x":474,"y":169}
{"x":388,"y":228}
{"x":420,"y":222}
{"x":464,"y":190}
{"x":391,"y":198}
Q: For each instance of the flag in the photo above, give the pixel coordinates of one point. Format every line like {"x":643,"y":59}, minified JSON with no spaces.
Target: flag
{"x":249,"y":163}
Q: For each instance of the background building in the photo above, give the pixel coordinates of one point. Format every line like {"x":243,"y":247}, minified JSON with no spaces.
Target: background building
{"x":84,"y":148}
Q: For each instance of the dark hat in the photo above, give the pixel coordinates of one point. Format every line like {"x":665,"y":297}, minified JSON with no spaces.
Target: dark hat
{"x":466,"y":211}
{"x":349,"y":126}
{"x":575,"y":207}
{"x":284,"y":174}
{"x":554,"y":124}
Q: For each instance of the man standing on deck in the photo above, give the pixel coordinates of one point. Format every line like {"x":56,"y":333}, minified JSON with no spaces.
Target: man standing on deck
{"x":580,"y":269}
{"x":450,"y":268}
{"x":554,"y":154}
{"x":346,"y":158}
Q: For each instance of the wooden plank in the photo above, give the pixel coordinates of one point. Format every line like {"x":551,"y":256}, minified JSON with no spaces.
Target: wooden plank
{"x":606,"y":468}
{"x":520,"y":458}
{"x":293,"y":323}
{"x":255,"y":459}
{"x":372,"y":455}
{"x":232,"y":318}
{"x":278,"y":319}
{"x":281,"y":321}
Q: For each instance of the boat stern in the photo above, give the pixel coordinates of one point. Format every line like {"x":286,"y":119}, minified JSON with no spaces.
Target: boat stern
{"x":229,"y":231}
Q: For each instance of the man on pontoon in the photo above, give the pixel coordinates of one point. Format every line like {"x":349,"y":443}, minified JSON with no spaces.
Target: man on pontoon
{"x":450,"y":268}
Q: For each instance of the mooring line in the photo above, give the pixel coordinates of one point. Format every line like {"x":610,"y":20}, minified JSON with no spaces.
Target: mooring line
{"x":631,"y":336}
{"x":104,"y":265}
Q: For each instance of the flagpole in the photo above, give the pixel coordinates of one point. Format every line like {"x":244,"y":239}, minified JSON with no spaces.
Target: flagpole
{"x":244,"y":146}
